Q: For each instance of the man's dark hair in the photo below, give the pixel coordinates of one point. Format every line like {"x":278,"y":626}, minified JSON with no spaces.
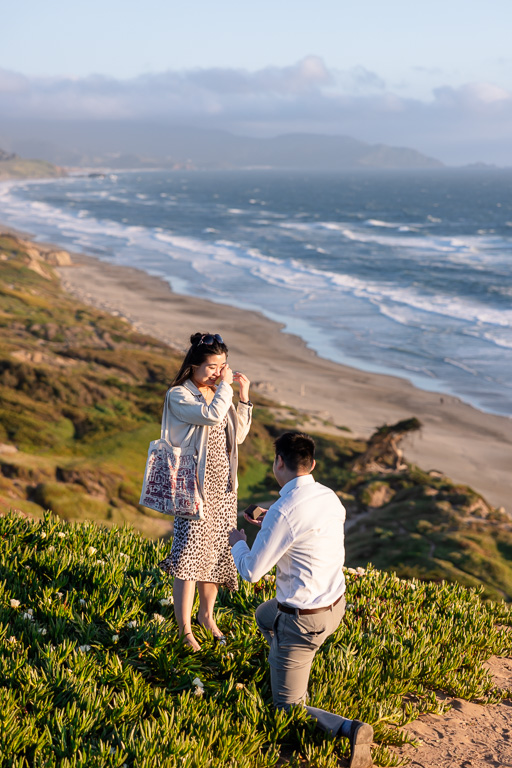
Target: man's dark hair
{"x":297,"y":451}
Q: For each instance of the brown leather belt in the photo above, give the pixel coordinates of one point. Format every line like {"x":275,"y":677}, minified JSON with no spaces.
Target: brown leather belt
{"x":307,"y":611}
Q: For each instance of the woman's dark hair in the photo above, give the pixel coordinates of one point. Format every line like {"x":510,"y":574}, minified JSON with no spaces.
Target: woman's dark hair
{"x":197,"y":355}
{"x":297,"y":450}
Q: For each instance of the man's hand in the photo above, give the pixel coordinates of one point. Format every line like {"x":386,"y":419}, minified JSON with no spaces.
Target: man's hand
{"x":235,"y":536}
{"x":258,"y":520}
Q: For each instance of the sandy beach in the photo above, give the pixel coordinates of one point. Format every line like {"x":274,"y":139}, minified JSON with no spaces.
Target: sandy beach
{"x":467,"y":445}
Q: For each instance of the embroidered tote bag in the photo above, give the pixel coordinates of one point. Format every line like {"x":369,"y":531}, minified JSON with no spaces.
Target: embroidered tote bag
{"x":170,"y":481}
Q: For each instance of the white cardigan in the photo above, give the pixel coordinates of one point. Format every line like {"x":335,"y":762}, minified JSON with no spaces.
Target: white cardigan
{"x":187,"y":418}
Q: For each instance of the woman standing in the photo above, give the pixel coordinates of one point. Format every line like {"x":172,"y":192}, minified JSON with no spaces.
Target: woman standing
{"x":202,"y":414}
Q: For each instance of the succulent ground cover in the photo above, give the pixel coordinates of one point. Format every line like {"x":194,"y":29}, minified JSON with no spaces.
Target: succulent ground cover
{"x":93,"y":672}
{"x":81,"y":393}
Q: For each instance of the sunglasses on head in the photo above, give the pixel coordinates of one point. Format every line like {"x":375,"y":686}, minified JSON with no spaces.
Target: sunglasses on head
{"x":207,"y":339}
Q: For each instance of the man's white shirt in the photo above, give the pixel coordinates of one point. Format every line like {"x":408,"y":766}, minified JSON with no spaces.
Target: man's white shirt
{"x":303,"y":535}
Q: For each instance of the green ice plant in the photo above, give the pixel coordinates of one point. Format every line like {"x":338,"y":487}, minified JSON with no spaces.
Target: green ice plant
{"x":93,"y":673}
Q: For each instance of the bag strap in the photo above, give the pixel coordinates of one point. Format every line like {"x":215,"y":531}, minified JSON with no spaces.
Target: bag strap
{"x":164,"y":432}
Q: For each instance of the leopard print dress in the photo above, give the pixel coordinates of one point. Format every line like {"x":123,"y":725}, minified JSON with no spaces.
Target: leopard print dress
{"x":200,"y":548}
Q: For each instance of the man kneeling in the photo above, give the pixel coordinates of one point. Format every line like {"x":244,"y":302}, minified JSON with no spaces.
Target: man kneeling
{"x":302,"y":534}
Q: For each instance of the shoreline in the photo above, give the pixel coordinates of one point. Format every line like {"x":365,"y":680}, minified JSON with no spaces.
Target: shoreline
{"x":467,"y":445}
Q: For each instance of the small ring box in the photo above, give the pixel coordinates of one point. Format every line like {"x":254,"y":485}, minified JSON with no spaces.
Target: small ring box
{"x":254,"y":512}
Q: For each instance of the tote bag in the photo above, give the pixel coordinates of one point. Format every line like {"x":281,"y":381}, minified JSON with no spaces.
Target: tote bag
{"x":170,"y":480}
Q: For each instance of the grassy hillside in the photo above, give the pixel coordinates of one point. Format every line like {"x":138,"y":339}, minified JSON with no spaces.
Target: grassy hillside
{"x":93,"y":673}
{"x":14,"y":167}
{"x":81,"y":394}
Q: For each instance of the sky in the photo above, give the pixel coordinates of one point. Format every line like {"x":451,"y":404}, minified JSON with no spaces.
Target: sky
{"x":435,"y":75}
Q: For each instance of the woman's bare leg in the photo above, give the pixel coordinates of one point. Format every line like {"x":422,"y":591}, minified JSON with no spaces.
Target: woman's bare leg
{"x":183,"y":594}
{"x":207,"y":596}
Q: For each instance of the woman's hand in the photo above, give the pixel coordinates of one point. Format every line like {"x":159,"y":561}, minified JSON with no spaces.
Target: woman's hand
{"x":244,"y":383}
{"x":235,"y":536}
{"x":226,"y":374}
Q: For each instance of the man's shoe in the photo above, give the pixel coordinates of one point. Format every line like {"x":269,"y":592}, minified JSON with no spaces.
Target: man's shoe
{"x":361,"y":737}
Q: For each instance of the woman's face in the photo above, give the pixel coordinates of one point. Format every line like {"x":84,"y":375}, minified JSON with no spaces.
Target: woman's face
{"x":207,"y":374}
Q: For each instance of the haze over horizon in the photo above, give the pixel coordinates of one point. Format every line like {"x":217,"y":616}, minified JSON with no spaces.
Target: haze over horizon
{"x":436,"y":79}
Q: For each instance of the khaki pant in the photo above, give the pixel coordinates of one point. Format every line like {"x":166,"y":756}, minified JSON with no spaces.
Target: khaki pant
{"x":294,"y":641}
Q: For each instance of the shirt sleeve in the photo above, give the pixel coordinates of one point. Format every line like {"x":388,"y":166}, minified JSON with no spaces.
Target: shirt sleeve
{"x":191,"y":410}
{"x":272,"y":541}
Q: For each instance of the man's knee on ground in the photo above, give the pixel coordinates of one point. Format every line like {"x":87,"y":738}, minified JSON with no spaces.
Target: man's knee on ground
{"x":262,"y":628}
{"x":281,"y":700}
{"x":264,"y":617}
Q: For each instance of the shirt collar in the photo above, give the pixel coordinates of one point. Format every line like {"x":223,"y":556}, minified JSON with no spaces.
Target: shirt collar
{"x":297,"y":482}
{"x":189,"y":384}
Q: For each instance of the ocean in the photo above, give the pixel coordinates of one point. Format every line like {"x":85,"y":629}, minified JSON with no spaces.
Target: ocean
{"x":408,"y":274}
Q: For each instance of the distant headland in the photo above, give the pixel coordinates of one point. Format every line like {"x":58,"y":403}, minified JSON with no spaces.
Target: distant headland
{"x":118,"y":145}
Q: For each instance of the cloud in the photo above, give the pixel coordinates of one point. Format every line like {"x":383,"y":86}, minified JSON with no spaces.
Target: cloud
{"x":361,"y":79}
{"x":452,"y":123}
{"x":473,"y":97}
{"x":174,"y":93}
{"x":12,"y":82}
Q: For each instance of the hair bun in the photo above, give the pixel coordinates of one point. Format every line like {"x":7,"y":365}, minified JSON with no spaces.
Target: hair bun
{"x":196,"y":338}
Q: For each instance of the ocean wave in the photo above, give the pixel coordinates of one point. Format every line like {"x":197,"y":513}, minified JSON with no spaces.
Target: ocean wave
{"x":474,"y":248}
{"x":498,"y":339}
{"x":384,"y":224}
{"x":297,"y":276}
{"x":290,"y":274}
{"x":392,"y":225}
{"x":319,"y":303}
{"x":444,"y":305}
{"x":420,"y":243}
{"x":462,"y":366}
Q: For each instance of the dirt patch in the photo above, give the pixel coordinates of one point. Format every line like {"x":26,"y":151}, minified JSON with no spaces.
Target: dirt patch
{"x":469,"y":735}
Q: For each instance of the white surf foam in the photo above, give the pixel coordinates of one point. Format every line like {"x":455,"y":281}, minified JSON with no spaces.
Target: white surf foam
{"x":287,"y":274}
{"x":470,"y":249}
{"x":227,"y":271}
{"x":384,"y":224}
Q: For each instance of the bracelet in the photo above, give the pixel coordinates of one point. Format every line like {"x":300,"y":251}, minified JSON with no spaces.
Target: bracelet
{"x":242,"y":402}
